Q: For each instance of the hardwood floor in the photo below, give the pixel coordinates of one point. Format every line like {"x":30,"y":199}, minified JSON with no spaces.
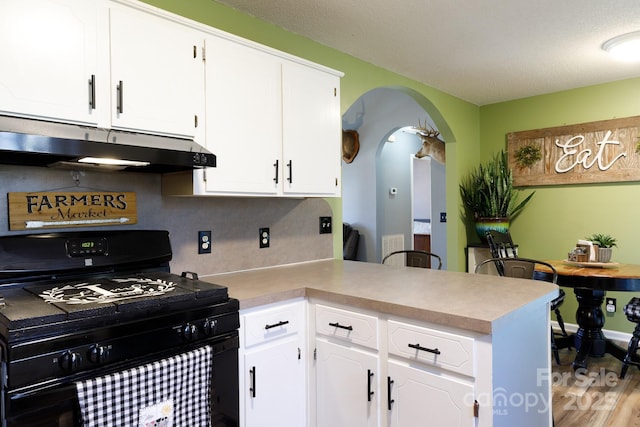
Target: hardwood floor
{"x":596,"y":397}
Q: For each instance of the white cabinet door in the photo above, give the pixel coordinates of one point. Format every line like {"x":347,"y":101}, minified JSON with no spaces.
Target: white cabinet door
{"x":157,"y":73}
{"x":311,"y":131}
{"x":48,"y":53}
{"x":244,"y":119}
{"x":274,"y":387}
{"x":421,"y":398}
{"x":347,"y":391}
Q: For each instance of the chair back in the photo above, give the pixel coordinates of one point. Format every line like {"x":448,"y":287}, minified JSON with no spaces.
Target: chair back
{"x":522,"y":268}
{"x":501,"y":244}
{"x":417,"y":258}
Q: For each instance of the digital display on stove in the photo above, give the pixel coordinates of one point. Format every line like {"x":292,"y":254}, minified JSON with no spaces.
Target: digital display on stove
{"x":87,"y":247}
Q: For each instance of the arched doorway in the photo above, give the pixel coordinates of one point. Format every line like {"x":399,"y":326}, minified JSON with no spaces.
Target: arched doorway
{"x":368,"y":205}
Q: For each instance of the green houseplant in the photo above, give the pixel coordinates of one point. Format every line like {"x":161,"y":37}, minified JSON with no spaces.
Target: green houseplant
{"x":605,"y":243}
{"x":489,"y":197}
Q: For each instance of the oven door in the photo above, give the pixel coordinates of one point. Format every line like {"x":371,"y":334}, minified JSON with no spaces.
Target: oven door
{"x":57,"y":406}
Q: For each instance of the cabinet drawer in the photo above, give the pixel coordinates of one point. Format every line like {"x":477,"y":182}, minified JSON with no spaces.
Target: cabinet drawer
{"x":273,"y":323}
{"x":432,"y":347}
{"x":346,"y":325}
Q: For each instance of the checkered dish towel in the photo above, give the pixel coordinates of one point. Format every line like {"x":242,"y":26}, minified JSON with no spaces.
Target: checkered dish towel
{"x":173,"y":392}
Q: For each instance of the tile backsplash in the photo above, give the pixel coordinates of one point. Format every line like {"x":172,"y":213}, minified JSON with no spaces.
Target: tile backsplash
{"x":234,"y":221}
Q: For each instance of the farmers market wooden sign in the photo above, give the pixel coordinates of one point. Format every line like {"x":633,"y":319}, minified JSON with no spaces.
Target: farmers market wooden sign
{"x":604,"y":151}
{"x":32,"y":211}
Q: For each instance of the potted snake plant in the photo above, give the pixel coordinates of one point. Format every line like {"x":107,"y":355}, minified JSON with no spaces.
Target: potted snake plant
{"x":489,"y":197}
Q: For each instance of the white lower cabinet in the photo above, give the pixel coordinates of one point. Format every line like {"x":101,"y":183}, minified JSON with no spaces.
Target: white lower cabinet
{"x":273,"y":358}
{"x":317,"y":364}
{"x":423,"y":381}
{"x":418,"y":397}
{"x":347,"y":368}
{"x":372,"y":369}
{"x":346,"y":386}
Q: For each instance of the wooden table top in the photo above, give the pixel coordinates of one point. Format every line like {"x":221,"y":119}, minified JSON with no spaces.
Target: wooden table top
{"x":613,"y":277}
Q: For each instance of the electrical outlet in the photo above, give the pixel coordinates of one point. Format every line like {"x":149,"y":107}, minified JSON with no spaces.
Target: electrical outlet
{"x":265,"y":237}
{"x":204,"y":242}
{"x":611,"y":305}
{"x":325,"y":225}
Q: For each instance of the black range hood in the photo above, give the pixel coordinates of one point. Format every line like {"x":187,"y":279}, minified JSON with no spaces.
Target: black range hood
{"x":32,"y":142}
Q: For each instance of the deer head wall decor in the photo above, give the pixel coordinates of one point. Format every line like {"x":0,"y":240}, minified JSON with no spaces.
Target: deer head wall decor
{"x":431,"y":145}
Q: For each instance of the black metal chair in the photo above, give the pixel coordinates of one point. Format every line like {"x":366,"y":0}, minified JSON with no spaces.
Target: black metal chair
{"x":632,"y":311}
{"x":417,"y":258}
{"x":501,"y":244}
{"x":525,"y":268}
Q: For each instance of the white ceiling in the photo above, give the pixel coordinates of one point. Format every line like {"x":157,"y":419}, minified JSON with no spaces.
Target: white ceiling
{"x":483,"y":51}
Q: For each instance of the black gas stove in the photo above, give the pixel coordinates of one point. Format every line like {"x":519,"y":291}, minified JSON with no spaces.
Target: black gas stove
{"x":81,"y":305}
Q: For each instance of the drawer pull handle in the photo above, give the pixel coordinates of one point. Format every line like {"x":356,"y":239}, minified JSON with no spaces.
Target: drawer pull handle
{"x":430,"y":350}
{"x":369,"y":391}
{"x":338,"y":325}
{"x":252,"y":389}
{"x":390,"y":401}
{"x":275,"y":325}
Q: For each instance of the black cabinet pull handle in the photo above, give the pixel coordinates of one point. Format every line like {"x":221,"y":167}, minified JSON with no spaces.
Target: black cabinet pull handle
{"x":120,"y":90}
{"x":275,"y":165}
{"x":92,"y":92}
{"x":390,"y":401}
{"x":338,"y":325}
{"x":290,"y":166}
{"x":369,"y":391}
{"x":275,"y":325}
{"x":252,"y":389}
{"x":430,"y":350}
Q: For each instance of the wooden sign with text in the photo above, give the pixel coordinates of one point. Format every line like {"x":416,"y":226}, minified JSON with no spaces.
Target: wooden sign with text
{"x":33,"y":211}
{"x":603,"y":151}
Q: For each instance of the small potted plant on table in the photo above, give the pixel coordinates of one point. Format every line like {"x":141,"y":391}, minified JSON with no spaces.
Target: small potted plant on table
{"x":605,"y":244}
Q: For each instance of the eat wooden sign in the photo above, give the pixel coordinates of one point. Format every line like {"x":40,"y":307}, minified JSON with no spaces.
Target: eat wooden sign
{"x":40,"y":210}
{"x":604,"y":151}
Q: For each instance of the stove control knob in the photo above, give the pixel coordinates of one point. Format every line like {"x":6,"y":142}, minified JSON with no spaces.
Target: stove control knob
{"x":190,"y":332}
{"x":210,"y":327}
{"x":70,"y":361}
{"x":98,"y":353}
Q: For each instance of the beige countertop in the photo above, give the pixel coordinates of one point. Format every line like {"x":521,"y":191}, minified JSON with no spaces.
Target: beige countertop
{"x":473,"y":302}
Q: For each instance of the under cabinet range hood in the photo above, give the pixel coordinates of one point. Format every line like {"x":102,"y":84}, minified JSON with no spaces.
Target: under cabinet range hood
{"x":40,"y":143}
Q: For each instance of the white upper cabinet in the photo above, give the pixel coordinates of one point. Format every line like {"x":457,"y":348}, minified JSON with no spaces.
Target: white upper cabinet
{"x":49,"y":60}
{"x":101,"y":63}
{"x":157,"y":73}
{"x":311,"y":131}
{"x":273,"y":123}
{"x":244,"y":118}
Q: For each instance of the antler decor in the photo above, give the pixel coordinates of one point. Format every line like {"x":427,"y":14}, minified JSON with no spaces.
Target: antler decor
{"x":431,"y":145}
{"x":423,"y":131}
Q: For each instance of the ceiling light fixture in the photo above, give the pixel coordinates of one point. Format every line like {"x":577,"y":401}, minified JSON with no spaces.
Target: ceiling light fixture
{"x":625,"y":47}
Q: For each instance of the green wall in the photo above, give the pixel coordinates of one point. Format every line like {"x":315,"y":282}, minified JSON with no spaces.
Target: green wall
{"x":560,"y":215}
{"x":556,"y":217}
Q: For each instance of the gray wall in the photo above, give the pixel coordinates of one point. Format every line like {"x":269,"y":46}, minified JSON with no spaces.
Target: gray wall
{"x":234,"y":221}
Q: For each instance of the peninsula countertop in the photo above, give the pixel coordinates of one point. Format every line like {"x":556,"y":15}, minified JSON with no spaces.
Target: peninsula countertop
{"x":472,"y":302}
